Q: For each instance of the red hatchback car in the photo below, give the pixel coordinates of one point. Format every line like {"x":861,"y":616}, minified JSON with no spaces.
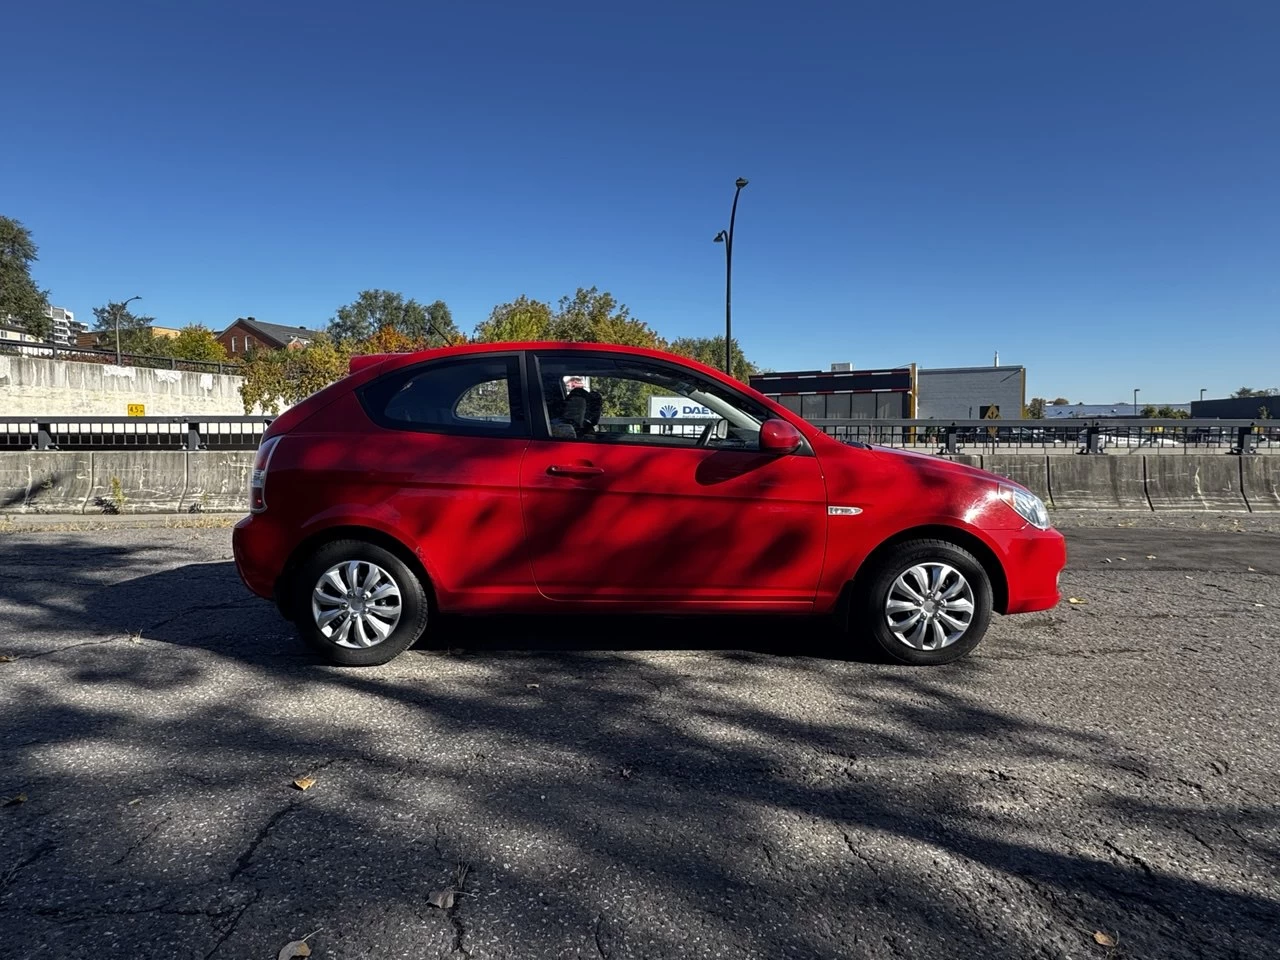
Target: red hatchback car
{"x":556,"y":477}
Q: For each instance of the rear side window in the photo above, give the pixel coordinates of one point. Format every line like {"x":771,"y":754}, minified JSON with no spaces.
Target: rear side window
{"x":476,"y":395}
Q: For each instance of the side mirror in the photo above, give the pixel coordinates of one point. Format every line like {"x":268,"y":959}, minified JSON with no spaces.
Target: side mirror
{"x":779,"y":438}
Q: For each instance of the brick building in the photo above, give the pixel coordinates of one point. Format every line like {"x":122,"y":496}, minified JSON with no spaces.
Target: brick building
{"x":248,"y":333}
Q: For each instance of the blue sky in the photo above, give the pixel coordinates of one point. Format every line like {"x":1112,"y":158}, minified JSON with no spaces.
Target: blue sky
{"x":1091,"y":188}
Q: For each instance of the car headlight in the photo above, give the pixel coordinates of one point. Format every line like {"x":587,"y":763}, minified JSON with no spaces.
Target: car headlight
{"x":1027,"y":505}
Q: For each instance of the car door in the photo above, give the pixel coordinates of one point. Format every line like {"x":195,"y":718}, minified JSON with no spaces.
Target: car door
{"x":443,"y":470}
{"x":643,"y":505}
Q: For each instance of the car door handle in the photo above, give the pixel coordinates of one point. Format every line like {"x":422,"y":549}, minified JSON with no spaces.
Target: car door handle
{"x":574,"y":470}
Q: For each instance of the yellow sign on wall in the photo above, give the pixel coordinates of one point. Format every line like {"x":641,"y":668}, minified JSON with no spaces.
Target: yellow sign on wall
{"x":137,"y":410}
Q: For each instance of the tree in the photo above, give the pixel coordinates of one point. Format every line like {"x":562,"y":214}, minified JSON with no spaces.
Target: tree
{"x":710,"y":351}
{"x":521,"y":319}
{"x":1251,"y":392}
{"x":1169,"y":413}
{"x":1060,"y":402}
{"x":135,"y":329}
{"x":1149,"y":412}
{"x":20,"y":298}
{"x":592,"y":316}
{"x":272,"y":377}
{"x":194,"y":342}
{"x":1035,"y":409}
{"x":375,"y":310}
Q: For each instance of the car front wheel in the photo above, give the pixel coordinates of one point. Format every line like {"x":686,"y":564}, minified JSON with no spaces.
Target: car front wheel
{"x":926,"y":602}
{"x":358,"y":604}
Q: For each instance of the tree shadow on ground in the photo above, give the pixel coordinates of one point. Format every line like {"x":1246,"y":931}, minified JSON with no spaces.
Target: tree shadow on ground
{"x":658,"y":788}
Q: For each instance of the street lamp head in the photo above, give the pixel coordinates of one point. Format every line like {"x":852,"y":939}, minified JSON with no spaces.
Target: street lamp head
{"x":721,"y":237}
{"x":740,"y":182}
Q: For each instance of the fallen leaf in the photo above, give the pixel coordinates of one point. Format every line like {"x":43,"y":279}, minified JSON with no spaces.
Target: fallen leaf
{"x":296,"y":948}
{"x":442,"y":899}
{"x":531,"y":686}
{"x":1105,"y":939}
{"x":16,"y":799}
{"x":305,"y":783}
{"x":5,"y":658}
{"x":1076,"y":600}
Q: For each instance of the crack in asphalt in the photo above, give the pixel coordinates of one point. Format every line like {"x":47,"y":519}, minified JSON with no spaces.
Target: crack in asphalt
{"x":235,"y":921}
{"x":246,"y":857}
{"x":47,"y":847}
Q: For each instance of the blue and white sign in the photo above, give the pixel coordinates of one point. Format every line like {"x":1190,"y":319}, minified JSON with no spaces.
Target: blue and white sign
{"x":678,"y":408}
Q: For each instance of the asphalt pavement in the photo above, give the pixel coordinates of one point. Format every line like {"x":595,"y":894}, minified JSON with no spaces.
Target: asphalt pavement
{"x":1105,"y":771}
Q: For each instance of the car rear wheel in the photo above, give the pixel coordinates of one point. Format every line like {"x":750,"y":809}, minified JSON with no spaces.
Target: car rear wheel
{"x":358,"y":604}
{"x":925,"y":602}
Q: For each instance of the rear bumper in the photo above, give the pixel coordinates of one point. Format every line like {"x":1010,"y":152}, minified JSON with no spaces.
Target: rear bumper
{"x":1033,"y":562}
{"x":253,"y":544}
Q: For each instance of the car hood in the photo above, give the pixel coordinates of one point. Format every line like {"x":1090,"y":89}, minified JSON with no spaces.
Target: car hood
{"x":938,"y":465}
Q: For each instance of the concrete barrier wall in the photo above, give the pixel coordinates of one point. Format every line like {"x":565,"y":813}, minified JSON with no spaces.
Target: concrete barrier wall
{"x":1204,"y":483}
{"x":1260,"y":477}
{"x":124,"y":481}
{"x":1029,"y":470}
{"x":164,"y":481}
{"x":36,"y":386}
{"x":1098,"y":483}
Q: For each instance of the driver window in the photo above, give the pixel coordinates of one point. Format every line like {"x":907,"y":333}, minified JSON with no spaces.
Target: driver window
{"x":625,"y":400}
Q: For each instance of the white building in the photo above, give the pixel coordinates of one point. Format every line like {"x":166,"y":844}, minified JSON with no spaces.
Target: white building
{"x":65,"y":325}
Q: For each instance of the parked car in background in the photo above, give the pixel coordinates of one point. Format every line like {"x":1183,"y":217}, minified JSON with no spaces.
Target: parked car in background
{"x":533,"y":477}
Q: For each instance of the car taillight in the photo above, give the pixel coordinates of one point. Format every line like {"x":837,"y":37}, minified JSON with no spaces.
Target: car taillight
{"x":258,"y":479}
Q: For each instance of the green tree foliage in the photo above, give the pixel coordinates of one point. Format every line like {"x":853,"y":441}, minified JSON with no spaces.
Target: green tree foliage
{"x":1035,"y":409}
{"x":273,"y":377}
{"x":375,"y":310}
{"x":1251,"y":392}
{"x":710,"y":351}
{"x":521,"y":319}
{"x":135,"y":329}
{"x":20,"y":298}
{"x":592,"y":316}
{"x":194,"y":342}
{"x":1149,"y":411}
{"x":1060,"y":402}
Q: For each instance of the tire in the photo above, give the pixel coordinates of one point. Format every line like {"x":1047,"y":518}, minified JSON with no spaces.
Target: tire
{"x":336,"y":566}
{"x":893,"y":579}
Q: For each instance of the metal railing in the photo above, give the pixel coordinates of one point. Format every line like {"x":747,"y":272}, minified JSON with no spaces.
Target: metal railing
{"x":145,"y":433}
{"x":213,"y":432}
{"x":62,"y":351}
{"x":1063,"y":435}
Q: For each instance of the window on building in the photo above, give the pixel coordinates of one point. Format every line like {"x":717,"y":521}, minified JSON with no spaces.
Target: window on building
{"x":233,"y":344}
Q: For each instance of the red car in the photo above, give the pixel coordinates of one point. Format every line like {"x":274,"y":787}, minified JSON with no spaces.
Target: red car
{"x":556,"y":477}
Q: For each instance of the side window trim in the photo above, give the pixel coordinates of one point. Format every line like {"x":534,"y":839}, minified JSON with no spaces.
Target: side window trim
{"x":516,"y":429}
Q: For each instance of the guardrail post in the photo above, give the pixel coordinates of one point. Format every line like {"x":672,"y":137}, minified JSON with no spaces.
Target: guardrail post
{"x":1246,"y":441}
{"x":44,"y":436}
{"x":193,"y":434}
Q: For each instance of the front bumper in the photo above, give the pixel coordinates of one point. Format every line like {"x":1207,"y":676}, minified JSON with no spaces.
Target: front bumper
{"x":1034,"y":560}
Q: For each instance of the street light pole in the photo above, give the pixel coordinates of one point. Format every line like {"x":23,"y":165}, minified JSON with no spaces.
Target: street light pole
{"x":1135,"y":401}
{"x":1202,"y":390}
{"x":119,"y":310}
{"x":727,"y":240}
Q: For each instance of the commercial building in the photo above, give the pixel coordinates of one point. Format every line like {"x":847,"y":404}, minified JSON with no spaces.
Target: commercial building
{"x":1238,"y":408}
{"x":899,"y":393}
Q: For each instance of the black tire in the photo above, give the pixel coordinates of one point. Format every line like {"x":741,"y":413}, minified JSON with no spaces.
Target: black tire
{"x":869,"y":613}
{"x":414,"y":603}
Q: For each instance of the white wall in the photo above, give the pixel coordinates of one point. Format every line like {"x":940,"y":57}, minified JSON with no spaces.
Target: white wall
{"x":36,"y":385}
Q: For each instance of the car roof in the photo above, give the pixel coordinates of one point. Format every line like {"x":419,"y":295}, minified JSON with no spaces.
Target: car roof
{"x":404,"y":359}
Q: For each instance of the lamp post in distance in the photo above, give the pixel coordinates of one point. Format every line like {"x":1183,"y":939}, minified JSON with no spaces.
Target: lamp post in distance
{"x":1135,"y":401}
{"x":726,"y":237}
{"x":119,"y":310}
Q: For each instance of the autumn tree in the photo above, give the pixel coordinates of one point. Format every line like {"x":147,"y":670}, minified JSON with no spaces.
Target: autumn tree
{"x":1035,"y":409}
{"x":273,"y":377}
{"x":20,"y":298}
{"x":521,"y":319}
{"x":194,"y":342}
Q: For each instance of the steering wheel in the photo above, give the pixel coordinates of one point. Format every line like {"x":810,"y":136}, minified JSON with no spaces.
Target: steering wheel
{"x":709,"y":431}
